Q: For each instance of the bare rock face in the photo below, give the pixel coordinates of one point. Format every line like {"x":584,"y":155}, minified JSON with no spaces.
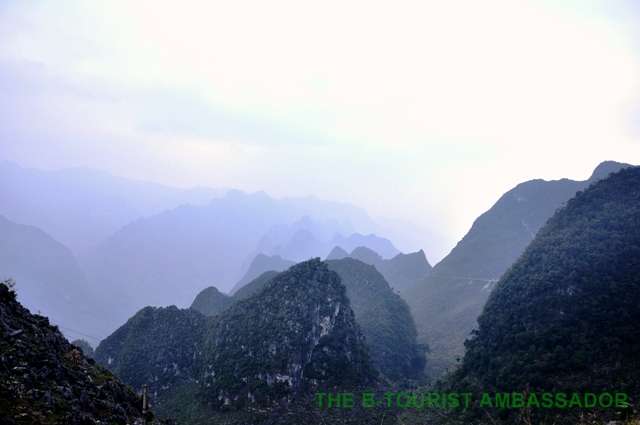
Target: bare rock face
{"x":46,"y":380}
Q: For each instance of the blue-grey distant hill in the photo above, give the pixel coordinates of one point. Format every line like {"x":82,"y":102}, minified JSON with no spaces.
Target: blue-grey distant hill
{"x":309,"y":238}
{"x":402,"y":271}
{"x":81,"y":207}
{"x":260,"y":264}
{"x":49,"y":279}
{"x":167,"y":258}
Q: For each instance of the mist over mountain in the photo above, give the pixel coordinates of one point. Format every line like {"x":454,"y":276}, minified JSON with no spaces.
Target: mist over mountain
{"x":260,"y":264}
{"x":81,"y":207}
{"x":366,"y":255}
{"x":301,"y":239}
{"x":337,"y":253}
{"x":49,"y":279}
{"x":447,"y":303}
{"x":565,"y":316}
{"x":255,"y":286}
{"x":403,"y":271}
{"x":167,"y":258}
{"x":379,"y":245}
{"x":140,"y":243}
{"x":307,"y":238}
{"x":210,"y":301}
{"x":342,"y":213}
{"x":85,"y":347}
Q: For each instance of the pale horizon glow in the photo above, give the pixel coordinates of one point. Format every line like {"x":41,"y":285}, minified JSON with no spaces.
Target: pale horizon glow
{"x":420,"y":111}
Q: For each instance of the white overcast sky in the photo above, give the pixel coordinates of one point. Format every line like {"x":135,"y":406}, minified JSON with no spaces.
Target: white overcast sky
{"x":425,"y":111}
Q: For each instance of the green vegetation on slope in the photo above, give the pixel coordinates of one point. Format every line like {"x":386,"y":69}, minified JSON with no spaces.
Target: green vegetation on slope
{"x":385,"y":320}
{"x":447,"y":303}
{"x":383,"y":316}
{"x":566,"y":316}
{"x":210,"y":301}
{"x":254,"y":287}
{"x":158,"y":347}
{"x":268,"y":350}
{"x":296,"y":335}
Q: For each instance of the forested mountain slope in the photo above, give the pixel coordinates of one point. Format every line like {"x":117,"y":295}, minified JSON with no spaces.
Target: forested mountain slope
{"x":448,"y":302}
{"x":566,"y":316}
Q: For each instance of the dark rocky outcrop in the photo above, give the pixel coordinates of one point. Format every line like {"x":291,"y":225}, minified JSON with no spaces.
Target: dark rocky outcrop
{"x":46,"y":380}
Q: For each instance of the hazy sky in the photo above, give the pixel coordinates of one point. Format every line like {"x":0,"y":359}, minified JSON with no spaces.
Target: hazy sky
{"x":424,"y":111}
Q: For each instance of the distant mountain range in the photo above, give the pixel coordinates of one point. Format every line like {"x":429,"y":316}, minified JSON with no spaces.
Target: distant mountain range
{"x":49,"y":279}
{"x":403,"y":271}
{"x":260,"y":264}
{"x":82,"y":207}
{"x":447,"y":303}
{"x":544,"y":287}
{"x":167,"y":258}
{"x":308,"y":238}
{"x":139,"y":243}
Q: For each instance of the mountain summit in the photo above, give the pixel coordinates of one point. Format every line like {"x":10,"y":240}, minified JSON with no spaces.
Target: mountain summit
{"x":447,"y":303}
{"x":278,"y":345}
{"x":566,"y":315}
